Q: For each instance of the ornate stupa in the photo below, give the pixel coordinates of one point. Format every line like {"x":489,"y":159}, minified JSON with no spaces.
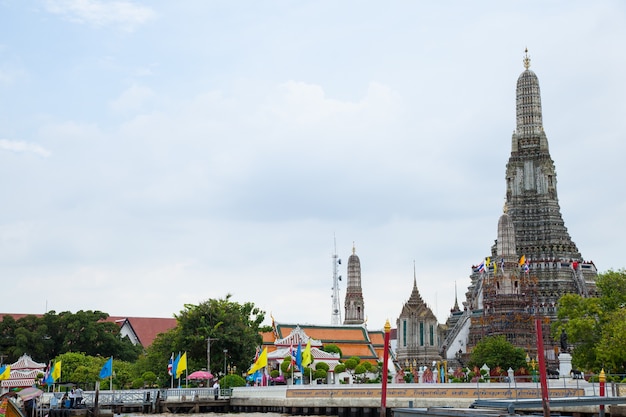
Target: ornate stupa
{"x":354,"y":304}
{"x":531,"y":195}
{"x":534,"y":260}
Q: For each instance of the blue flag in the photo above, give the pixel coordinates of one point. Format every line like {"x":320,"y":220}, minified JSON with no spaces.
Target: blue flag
{"x":299,"y":358}
{"x":107,"y":368}
{"x":175,"y":365}
{"x":48,"y":380}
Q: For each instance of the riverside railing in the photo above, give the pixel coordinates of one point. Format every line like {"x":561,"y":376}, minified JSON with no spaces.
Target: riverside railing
{"x":148,"y":396}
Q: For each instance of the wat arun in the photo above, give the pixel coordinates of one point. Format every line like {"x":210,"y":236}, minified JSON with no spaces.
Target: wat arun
{"x":534,"y":261}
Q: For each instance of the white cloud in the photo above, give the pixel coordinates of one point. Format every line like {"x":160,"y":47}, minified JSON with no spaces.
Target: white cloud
{"x":133,"y":99}
{"x":21,"y":146}
{"x":124,"y":14}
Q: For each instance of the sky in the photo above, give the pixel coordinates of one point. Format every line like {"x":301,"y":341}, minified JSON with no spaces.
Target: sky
{"x":155,"y":154}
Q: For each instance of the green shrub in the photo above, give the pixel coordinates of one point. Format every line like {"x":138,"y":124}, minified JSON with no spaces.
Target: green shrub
{"x":230,"y":381}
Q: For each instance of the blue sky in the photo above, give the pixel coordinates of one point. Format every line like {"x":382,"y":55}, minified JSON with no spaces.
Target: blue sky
{"x":155,"y":154}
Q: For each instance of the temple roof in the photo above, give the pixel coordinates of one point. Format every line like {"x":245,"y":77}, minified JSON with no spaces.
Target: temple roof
{"x":353,"y":340}
{"x":297,"y":337}
{"x":25,"y":362}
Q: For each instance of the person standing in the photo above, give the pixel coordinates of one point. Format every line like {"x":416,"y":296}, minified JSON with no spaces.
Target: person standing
{"x":216,"y":389}
{"x":72,"y":398}
{"x":79,"y":396}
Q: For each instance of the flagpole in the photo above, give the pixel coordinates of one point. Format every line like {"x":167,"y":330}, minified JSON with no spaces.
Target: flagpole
{"x":172,"y":371}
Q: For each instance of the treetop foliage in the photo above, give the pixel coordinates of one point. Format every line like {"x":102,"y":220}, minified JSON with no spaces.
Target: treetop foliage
{"x":234,"y":329}
{"x":596,"y":326}
{"x":496,"y":351}
{"x":52,"y":334}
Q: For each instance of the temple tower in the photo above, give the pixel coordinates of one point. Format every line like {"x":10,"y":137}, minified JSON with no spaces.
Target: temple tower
{"x":531,"y":195}
{"x":418,"y":332}
{"x":534,"y":261}
{"x":354,"y":305}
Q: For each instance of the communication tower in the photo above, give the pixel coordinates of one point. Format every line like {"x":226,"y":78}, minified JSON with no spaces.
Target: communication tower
{"x":336,"y":309}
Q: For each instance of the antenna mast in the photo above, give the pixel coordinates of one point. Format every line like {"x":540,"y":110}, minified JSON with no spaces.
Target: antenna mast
{"x":336,"y":310}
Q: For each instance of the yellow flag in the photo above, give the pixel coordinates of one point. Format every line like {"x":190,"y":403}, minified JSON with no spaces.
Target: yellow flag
{"x":5,"y":372}
{"x":488,"y":263}
{"x":56,"y":371}
{"x":260,"y":363}
{"x":182,"y":365}
{"x":522,"y":260}
{"x":306,"y":355}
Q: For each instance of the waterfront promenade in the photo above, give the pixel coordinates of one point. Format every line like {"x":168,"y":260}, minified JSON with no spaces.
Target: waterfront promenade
{"x":347,"y":399}
{"x":343,"y":400}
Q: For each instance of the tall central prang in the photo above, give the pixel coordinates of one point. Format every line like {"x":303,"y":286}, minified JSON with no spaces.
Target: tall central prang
{"x":534,"y":260}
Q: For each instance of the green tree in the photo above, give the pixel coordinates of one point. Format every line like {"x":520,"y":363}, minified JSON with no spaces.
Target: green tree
{"x":595,"y":325}
{"x":90,"y":333}
{"x":158,"y":355}
{"x":360,"y":371}
{"x":581,"y":318}
{"x":340,"y":368}
{"x":234,"y":329}
{"x":322,"y":365}
{"x":149,"y":378}
{"x":320,"y":374}
{"x":496,"y":351}
{"x":331,"y":348}
{"x":53,"y":334}
{"x":29,"y":336}
{"x":285,"y":365}
{"x":75,"y":367}
{"x":351,"y":365}
{"x":612,"y":285}
{"x":7,"y":339}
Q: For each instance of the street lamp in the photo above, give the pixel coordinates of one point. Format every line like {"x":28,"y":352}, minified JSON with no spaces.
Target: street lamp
{"x":208,"y":352}
{"x":225,"y":354}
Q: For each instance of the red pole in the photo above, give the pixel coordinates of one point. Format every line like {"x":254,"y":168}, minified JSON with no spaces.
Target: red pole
{"x":602,"y":390}
{"x":383,"y":397}
{"x":545,"y":398}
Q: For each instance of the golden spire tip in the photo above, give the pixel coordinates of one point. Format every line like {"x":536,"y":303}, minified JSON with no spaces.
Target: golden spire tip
{"x":526,"y":59}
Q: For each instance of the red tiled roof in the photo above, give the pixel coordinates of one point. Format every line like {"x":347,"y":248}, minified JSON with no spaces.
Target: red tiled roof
{"x":146,"y":328}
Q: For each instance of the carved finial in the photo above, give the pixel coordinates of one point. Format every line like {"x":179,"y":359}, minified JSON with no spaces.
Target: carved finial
{"x":353,"y":248}
{"x":526,"y":59}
